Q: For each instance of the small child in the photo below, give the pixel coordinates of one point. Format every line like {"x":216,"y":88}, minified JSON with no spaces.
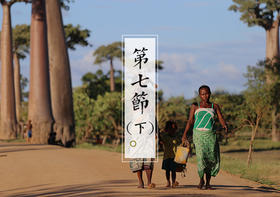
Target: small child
{"x":29,"y":131}
{"x":170,"y":141}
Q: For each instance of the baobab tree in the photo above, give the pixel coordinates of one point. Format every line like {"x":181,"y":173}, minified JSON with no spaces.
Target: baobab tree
{"x":266,"y":14}
{"x":39,"y":108}
{"x":109,"y":53}
{"x":60,"y":76}
{"x":8,"y":125}
{"x":21,"y":41}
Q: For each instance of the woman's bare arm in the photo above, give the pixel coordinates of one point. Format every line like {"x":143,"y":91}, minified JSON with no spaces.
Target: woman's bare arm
{"x":220,"y":117}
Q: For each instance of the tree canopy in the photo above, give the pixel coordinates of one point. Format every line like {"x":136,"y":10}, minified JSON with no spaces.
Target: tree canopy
{"x":21,"y":40}
{"x":107,"y":53}
{"x":76,"y":36}
{"x":257,"y":12}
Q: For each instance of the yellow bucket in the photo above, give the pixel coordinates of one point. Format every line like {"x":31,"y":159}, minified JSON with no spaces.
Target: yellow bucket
{"x":182,"y":155}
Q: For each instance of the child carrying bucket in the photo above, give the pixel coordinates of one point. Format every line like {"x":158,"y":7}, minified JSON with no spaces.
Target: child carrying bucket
{"x":170,"y":140}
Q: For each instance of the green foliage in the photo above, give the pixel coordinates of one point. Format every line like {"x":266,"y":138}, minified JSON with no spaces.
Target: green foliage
{"x":21,"y":40}
{"x":260,"y":171}
{"x":107,"y":115}
{"x":83,"y":112}
{"x":23,"y":84}
{"x":230,"y":105}
{"x":24,"y":111}
{"x":257,"y":12}
{"x":237,"y":144}
{"x":98,"y":83}
{"x":97,"y":117}
{"x":74,"y":35}
{"x":64,"y":4}
{"x":159,"y":64}
{"x":108,"y":53}
{"x":272,"y":70}
{"x":259,"y":95}
{"x":175,"y":109}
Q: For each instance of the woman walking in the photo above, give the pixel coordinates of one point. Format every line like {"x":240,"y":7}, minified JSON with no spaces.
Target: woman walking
{"x":202,"y":117}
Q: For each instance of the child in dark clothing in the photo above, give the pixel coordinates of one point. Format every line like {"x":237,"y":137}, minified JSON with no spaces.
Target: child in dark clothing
{"x":170,"y":141}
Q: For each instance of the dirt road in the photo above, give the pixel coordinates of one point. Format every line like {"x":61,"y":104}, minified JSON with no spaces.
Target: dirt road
{"x":40,"y":170}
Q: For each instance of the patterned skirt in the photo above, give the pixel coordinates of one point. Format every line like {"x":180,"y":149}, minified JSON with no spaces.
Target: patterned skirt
{"x":207,"y":152}
{"x":141,"y":164}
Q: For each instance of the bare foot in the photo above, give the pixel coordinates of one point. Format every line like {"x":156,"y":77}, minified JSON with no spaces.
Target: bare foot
{"x":175,"y":184}
{"x":209,"y":187}
{"x":152,"y":185}
{"x":200,"y":185}
{"x":140,"y":186}
{"x":168,"y":184}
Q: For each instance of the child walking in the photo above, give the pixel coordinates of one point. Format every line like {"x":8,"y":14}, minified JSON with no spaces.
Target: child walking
{"x":170,"y":141}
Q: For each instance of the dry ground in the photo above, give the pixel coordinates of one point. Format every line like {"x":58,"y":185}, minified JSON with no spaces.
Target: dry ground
{"x":41,"y":170}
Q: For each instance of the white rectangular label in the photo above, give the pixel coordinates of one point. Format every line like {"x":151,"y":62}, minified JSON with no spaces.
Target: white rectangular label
{"x":140,"y":100}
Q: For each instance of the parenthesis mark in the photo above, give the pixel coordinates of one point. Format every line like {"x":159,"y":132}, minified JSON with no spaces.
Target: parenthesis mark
{"x":152,"y":128}
{"x":127,"y":128}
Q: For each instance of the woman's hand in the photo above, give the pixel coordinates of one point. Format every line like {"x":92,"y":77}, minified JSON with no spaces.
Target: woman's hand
{"x":184,"y":138}
{"x":185,"y":142}
{"x":226,"y":129}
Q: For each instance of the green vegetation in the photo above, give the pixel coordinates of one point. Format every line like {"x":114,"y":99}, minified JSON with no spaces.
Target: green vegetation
{"x":260,"y":170}
{"x":109,"y":53}
{"x":242,"y":145}
{"x":265,"y":167}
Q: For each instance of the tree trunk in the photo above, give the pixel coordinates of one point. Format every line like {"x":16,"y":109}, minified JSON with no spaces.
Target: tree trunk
{"x":272,"y":51}
{"x":17,"y":86}
{"x":39,"y":109}
{"x":104,"y":139}
{"x":254,"y":131}
{"x":8,"y":113}
{"x":60,"y":76}
{"x":272,"y":41}
{"x":112,"y":79}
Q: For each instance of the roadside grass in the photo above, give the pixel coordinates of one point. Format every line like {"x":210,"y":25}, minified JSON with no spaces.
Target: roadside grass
{"x":242,"y":145}
{"x":265,"y":168}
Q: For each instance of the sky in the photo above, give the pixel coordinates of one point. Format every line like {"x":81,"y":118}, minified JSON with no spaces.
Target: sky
{"x":199,"y":41}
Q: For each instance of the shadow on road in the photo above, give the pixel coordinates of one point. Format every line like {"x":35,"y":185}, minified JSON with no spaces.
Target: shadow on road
{"x":122,"y":188}
{"x":239,"y":187}
{"x":18,"y":147}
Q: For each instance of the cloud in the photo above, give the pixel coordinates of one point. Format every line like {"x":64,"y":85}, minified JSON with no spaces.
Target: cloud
{"x":177,"y":62}
{"x":219,"y":65}
{"x":229,"y":70}
{"x":82,"y":63}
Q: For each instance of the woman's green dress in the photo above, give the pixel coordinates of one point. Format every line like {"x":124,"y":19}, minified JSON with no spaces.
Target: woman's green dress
{"x":206,"y":144}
